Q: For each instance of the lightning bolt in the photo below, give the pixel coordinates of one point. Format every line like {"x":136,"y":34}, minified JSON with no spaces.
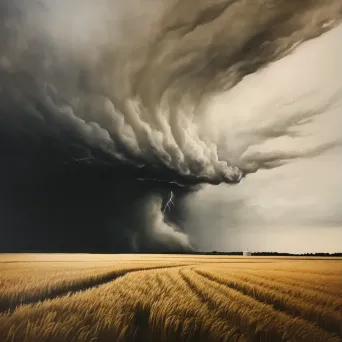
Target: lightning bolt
{"x":169,"y":202}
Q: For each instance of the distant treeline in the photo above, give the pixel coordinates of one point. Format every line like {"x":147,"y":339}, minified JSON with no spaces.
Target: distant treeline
{"x":271,"y":254}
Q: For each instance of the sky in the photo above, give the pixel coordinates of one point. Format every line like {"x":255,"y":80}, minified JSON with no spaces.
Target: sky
{"x":296,"y":207}
{"x":109,"y":109}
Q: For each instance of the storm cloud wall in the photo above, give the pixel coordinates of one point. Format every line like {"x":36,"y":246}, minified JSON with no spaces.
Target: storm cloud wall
{"x":102,"y":108}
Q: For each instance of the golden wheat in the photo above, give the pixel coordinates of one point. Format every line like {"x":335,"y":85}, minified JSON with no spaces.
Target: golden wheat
{"x":29,"y":286}
{"x":328,"y":316}
{"x":170,"y":298}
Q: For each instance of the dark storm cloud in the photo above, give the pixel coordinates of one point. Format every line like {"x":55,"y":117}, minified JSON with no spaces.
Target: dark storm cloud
{"x":90,"y":87}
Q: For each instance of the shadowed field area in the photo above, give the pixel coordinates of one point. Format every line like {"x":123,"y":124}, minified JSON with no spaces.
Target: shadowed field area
{"x":82,"y":297}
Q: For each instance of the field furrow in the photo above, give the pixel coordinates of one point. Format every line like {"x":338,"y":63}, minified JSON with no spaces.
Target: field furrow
{"x":169,"y":298}
{"x":246,"y":310}
{"x":331,"y":288}
{"x":163,"y":317}
{"x":331,"y":284}
{"x":323,"y":316}
{"x":305,"y":293}
{"x":51,"y":288}
{"x":180,"y":315}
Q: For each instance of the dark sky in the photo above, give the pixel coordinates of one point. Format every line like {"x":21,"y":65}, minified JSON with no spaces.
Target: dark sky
{"x":104,"y":115}
{"x":50,"y":202}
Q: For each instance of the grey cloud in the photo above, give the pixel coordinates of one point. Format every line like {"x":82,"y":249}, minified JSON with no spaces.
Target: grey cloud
{"x":134,"y":80}
{"x":154,"y":88}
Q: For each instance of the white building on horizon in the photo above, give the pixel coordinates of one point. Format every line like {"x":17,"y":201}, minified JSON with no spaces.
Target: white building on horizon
{"x":246,"y":253}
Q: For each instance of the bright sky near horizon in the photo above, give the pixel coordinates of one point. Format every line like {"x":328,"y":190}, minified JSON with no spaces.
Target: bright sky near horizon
{"x":296,"y":207}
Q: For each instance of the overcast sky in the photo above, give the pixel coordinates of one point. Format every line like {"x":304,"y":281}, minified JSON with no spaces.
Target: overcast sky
{"x":296,"y":207}
{"x":108,"y":107}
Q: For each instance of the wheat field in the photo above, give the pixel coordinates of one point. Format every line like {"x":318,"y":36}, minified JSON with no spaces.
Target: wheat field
{"x":169,"y":298}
